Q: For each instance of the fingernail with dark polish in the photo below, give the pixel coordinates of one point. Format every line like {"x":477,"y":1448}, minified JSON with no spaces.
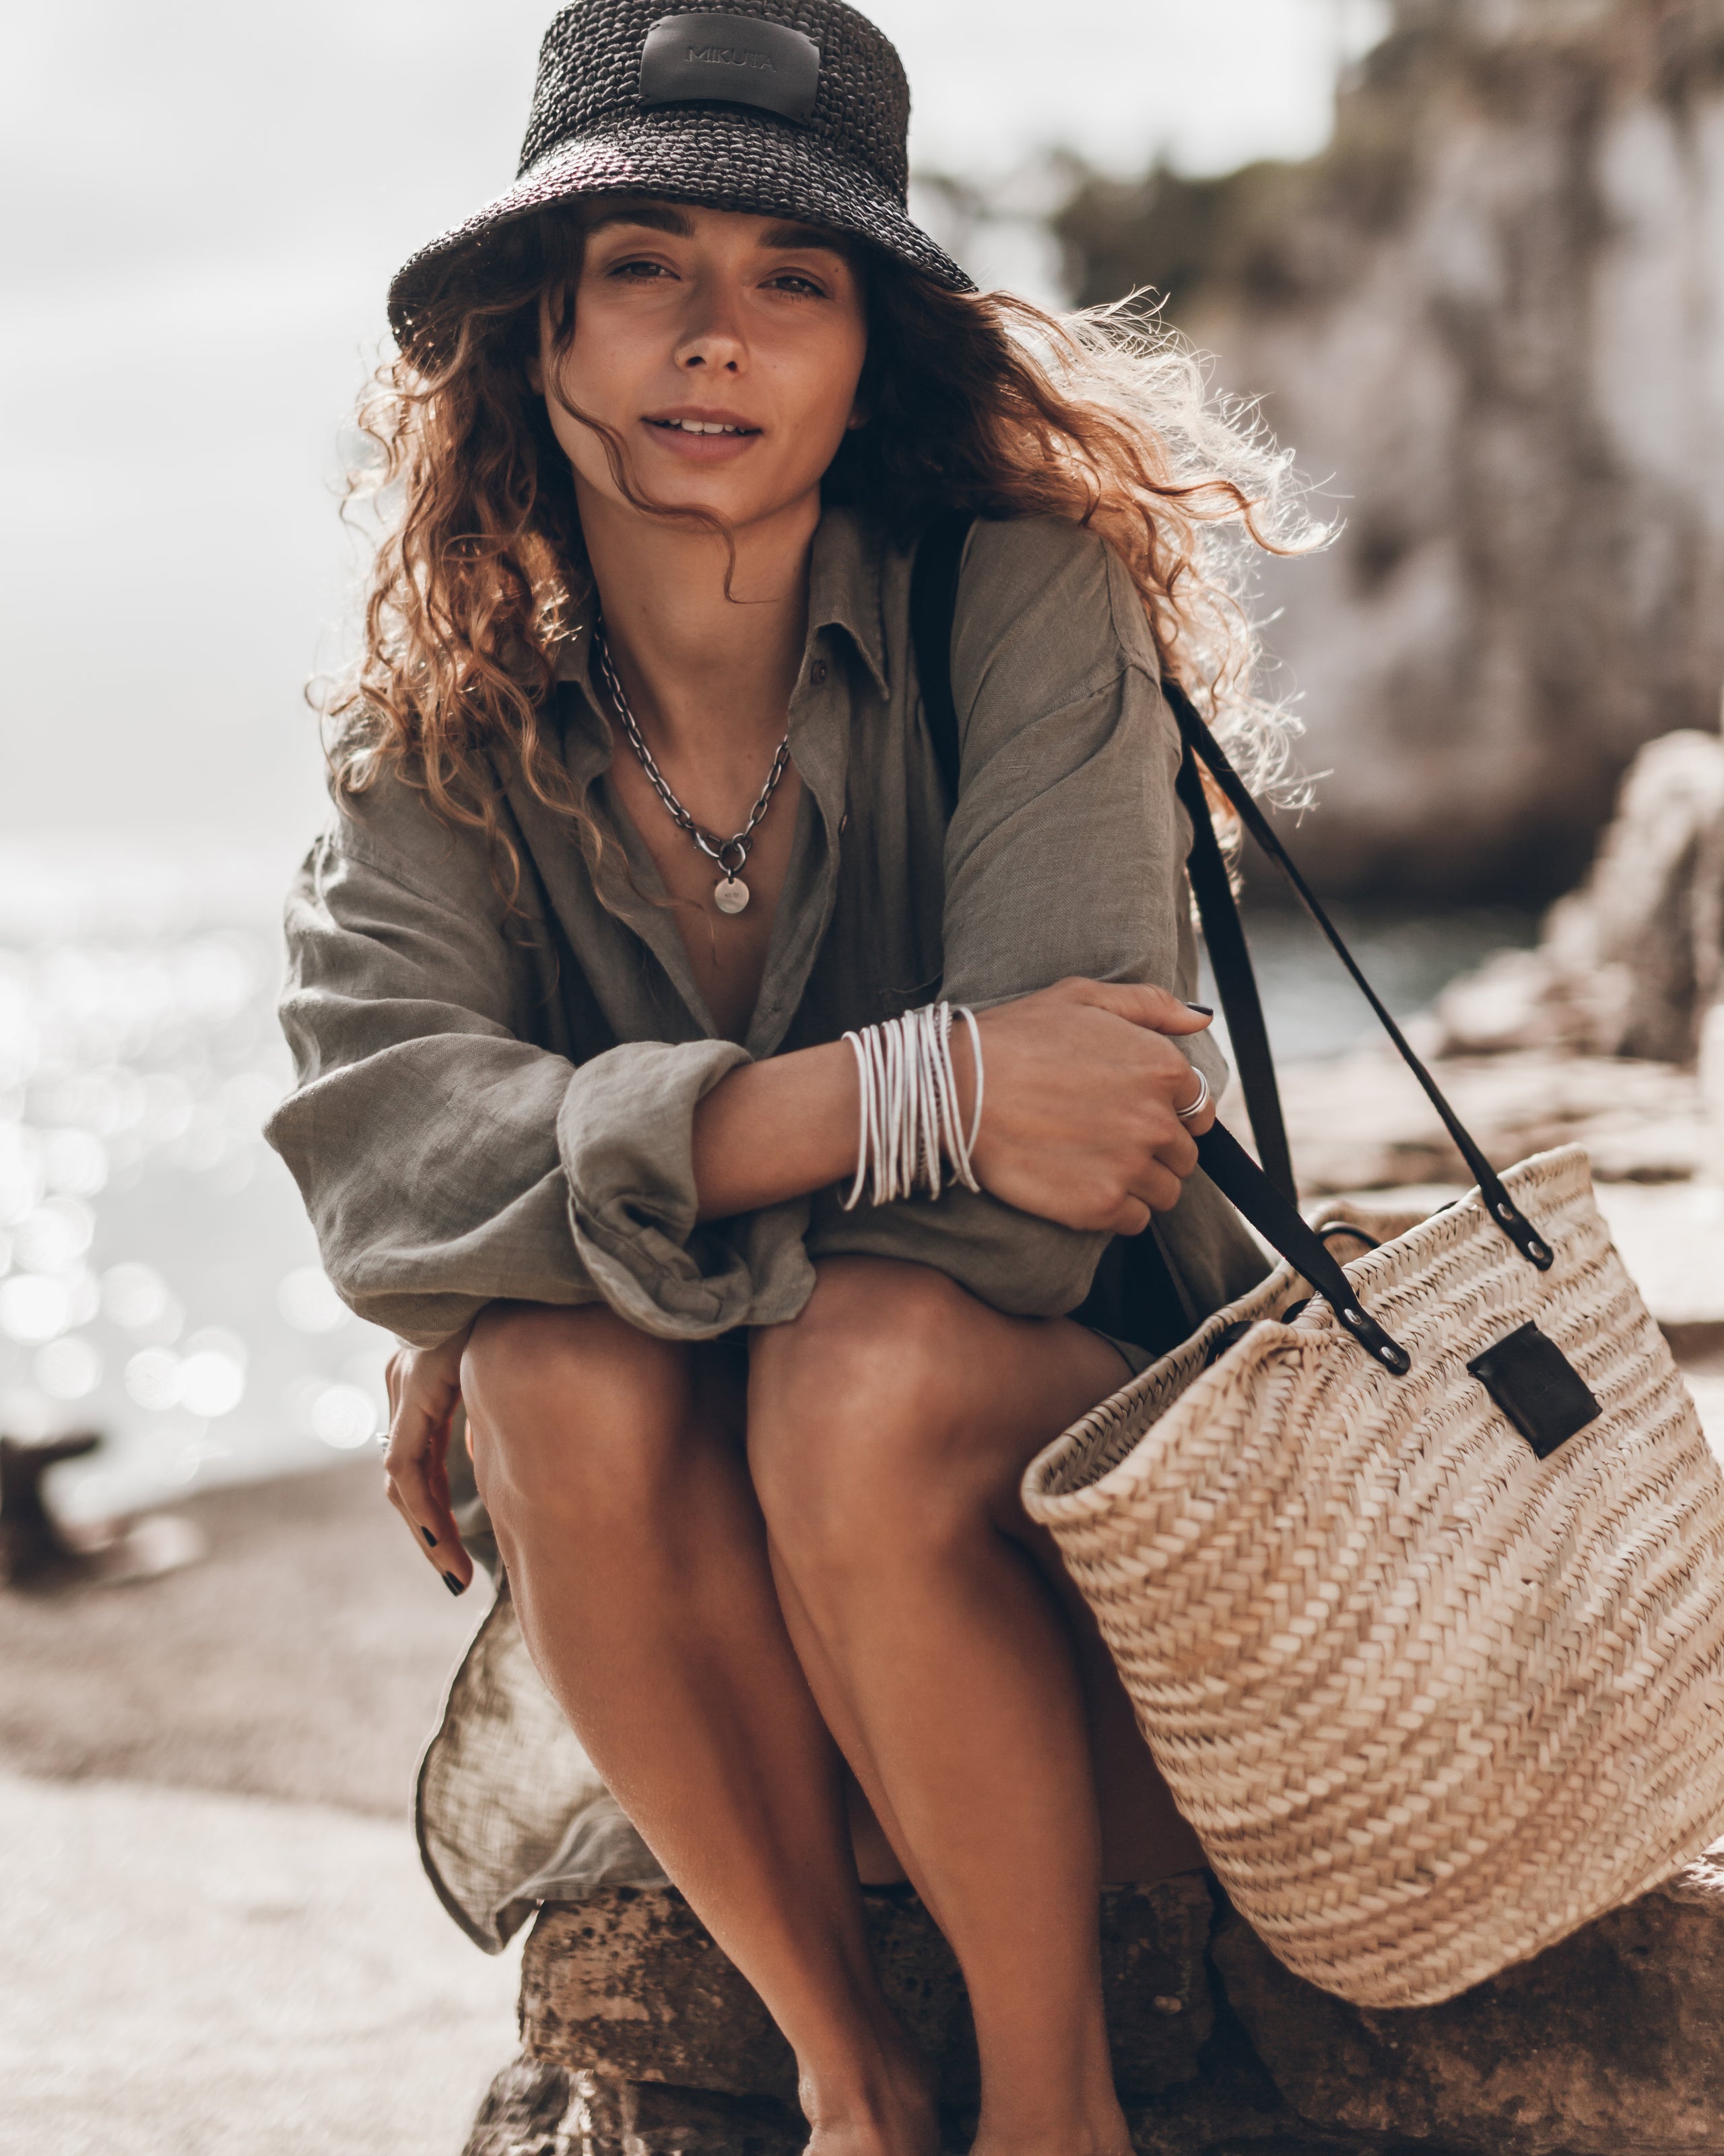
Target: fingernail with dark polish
{"x":430,"y":1537}
{"x":1203,"y":1010}
{"x":453,"y":1584}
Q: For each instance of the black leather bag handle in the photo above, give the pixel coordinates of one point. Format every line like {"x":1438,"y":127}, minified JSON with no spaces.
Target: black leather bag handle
{"x":1285,"y":1228}
{"x":1198,"y":739}
{"x":1235,"y":981}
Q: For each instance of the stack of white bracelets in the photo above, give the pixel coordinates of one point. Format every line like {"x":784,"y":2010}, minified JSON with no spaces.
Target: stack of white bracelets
{"x":911,"y":1125}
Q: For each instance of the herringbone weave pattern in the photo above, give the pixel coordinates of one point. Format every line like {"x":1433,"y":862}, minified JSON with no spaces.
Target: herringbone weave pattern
{"x":1429,"y":1701}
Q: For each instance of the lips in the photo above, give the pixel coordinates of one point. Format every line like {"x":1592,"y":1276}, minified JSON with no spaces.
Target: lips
{"x":701,"y":424}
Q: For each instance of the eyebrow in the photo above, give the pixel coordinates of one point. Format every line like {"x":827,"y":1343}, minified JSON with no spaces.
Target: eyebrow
{"x":666,"y":217}
{"x":657,"y":217}
{"x":798,"y":236}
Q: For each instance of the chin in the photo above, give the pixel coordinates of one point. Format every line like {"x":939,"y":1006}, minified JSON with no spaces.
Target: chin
{"x":734,"y":506}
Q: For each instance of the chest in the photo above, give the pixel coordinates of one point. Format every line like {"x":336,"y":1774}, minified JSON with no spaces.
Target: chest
{"x":845,"y":877}
{"x":726,"y":951}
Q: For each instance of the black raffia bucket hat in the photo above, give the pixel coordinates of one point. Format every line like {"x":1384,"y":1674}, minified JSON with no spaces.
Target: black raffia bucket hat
{"x":788,"y":108}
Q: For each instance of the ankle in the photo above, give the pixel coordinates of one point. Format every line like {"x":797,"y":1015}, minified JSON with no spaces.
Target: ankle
{"x":882,"y":2106}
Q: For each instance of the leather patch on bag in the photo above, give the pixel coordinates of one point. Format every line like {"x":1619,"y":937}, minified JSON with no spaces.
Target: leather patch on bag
{"x":735,"y":59}
{"x":1536,"y":1387}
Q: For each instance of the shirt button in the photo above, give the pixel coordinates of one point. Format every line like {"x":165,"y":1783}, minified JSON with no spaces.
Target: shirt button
{"x":817,"y":673}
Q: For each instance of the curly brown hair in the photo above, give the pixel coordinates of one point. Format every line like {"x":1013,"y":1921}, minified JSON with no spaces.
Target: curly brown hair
{"x":979,"y":402}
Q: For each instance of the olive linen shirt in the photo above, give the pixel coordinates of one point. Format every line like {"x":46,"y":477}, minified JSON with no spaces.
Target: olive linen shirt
{"x":491,"y":1104}
{"x":494,"y":1107}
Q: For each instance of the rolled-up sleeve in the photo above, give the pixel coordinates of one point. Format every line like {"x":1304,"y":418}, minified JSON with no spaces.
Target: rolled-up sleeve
{"x":1065,"y":856}
{"x":445,"y":1160}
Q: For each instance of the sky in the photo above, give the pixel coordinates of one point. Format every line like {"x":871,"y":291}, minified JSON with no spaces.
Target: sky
{"x":206,"y":203}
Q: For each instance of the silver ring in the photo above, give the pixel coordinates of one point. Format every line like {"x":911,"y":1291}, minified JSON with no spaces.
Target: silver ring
{"x":1195,"y":1107}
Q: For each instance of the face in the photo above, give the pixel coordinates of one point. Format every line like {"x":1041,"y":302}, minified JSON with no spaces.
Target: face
{"x":722,"y":351}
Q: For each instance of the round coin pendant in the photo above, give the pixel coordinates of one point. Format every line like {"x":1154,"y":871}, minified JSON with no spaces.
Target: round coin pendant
{"x":730,"y":896}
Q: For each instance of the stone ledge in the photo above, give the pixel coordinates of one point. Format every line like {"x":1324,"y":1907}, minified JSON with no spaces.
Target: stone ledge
{"x":629,"y":1983}
{"x":641,"y":2040}
{"x":1609,"y":2044}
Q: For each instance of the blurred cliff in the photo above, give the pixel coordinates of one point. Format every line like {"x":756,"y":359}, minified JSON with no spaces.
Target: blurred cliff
{"x":1490,"y":318}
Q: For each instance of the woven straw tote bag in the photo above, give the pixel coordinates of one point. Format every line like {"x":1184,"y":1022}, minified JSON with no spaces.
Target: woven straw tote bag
{"x":1430,"y":1700}
{"x":1413,"y":1567}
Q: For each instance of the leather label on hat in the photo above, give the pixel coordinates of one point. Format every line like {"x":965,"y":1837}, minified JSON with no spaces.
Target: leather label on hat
{"x":736,"y":58}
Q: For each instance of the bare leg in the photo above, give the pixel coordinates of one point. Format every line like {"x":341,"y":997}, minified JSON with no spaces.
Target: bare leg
{"x":611,"y":1465}
{"x":888,"y":1429}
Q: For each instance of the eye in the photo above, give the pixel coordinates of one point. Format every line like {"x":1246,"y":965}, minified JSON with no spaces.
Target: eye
{"x":638,"y":268}
{"x":799,"y":282}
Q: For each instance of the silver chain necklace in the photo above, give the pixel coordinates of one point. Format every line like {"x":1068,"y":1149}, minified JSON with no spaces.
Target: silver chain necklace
{"x":731,"y":894}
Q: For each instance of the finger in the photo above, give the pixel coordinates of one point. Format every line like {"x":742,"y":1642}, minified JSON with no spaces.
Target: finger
{"x":1157,"y":1009}
{"x":418,"y":1488}
{"x":1131,"y":1217}
{"x":1177,"y":1152}
{"x":1156,"y":1187}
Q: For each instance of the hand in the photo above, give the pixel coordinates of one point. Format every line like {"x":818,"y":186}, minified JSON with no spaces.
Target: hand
{"x":1078,"y":1120}
{"x":425,"y":1391}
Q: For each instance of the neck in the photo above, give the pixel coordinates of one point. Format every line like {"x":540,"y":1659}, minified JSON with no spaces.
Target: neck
{"x":702,"y":666}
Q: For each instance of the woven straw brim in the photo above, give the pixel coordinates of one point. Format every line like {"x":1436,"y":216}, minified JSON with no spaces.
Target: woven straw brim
{"x":710,"y":154}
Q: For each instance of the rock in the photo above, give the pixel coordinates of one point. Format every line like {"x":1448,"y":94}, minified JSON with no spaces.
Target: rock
{"x":641,"y":2040}
{"x":535,"y":2109}
{"x":1361,"y":1122}
{"x":524,"y":2112}
{"x":1610,"y":2043}
{"x":1671,"y":1238}
{"x":629,"y":1984}
{"x":1488,"y":317}
{"x":1711,"y":1063}
{"x":1516,"y":999}
{"x":1631,"y":962}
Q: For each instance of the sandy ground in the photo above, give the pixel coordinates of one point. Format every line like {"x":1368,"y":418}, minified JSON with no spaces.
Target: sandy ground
{"x":214,"y":1935}
{"x":189,"y":1974}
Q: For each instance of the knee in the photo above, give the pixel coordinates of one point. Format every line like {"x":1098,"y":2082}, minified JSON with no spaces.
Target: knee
{"x":863,"y":1436}
{"x":575,"y":1416}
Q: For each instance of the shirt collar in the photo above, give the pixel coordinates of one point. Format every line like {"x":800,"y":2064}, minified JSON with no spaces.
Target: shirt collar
{"x":844,"y":588}
{"x":844,"y":592}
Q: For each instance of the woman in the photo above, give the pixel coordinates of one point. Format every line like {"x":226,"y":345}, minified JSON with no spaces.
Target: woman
{"x":576,"y":1114}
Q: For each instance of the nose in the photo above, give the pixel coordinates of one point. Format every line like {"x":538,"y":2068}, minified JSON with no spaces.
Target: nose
{"x":711,"y":340}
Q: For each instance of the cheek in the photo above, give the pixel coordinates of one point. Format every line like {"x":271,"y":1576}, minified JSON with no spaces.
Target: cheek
{"x":823,"y":387}
{"x":592,"y":377}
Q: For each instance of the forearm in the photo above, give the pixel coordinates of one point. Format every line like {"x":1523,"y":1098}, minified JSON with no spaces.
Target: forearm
{"x":1081,"y":1126}
{"x":777,"y":1130}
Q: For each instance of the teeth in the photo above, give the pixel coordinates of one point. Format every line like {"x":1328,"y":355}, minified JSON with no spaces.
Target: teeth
{"x":698,"y":426}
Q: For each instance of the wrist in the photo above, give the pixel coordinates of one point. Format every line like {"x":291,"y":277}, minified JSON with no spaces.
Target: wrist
{"x":916,"y":1127}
